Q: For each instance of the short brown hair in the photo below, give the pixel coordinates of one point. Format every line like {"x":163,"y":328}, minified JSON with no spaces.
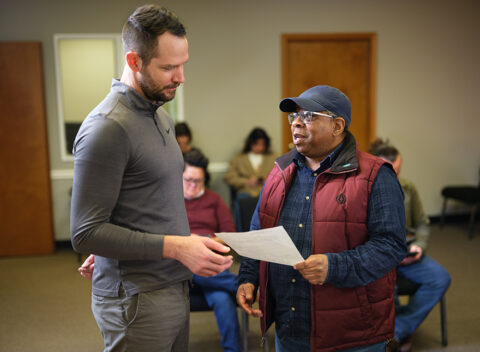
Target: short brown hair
{"x":143,"y":27}
{"x":383,"y":149}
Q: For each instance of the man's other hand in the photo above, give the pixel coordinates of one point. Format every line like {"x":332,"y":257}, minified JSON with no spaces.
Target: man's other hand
{"x":414,"y":258}
{"x":314,"y":269}
{"x":245,"y":299}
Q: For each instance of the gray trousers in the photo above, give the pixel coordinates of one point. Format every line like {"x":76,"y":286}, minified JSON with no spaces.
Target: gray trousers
{"x":154,"y":321}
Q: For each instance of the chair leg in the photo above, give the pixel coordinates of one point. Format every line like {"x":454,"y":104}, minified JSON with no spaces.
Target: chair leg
{"x":443,"y":321}
{"x":472,"y":221}
{"x":444,"y":208}
{"x":244,"y":331}
{"x":266,"y":347}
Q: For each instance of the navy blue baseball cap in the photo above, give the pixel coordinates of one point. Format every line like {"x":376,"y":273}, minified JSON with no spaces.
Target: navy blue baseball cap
{"x":321,"y":98}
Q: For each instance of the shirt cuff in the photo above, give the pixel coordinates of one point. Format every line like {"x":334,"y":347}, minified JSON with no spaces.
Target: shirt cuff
{"x":332,"y":265}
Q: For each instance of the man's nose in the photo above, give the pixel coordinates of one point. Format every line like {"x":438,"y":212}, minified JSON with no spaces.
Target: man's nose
{"x":179,"y":76}
{"x":298,"y":122}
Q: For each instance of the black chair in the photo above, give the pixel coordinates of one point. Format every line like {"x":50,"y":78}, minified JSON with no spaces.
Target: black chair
{"x":233,"y":196}
{"x":405,"y":287}
{"x":247,"y":208}
{"x":198,"y":303}
{"x":466,"y":194}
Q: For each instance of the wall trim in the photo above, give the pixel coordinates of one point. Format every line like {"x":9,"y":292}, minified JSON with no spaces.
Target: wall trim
{"x":217,"y":167}
{"x":67,"y":174}
{"x":61,"y":174}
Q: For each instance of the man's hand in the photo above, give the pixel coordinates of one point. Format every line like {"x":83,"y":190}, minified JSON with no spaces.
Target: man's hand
{"x":197,"y":254}
{"x":245,"y":300}
{"x":314,"y":269}
{"x":219,"y":240}
{"x":410,"y":260}
{"x":86,"y":270}
{"x":253,"y":181}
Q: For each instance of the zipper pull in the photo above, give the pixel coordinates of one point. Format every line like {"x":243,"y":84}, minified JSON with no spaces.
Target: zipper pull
{"x":158,"y":129}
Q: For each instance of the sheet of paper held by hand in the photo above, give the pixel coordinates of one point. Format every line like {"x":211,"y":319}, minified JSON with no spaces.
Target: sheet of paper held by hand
{"x":271,"y":245}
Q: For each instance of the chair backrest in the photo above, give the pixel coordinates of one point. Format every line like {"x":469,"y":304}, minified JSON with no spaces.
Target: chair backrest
{"x":405,"y":286}
{"x":233,"y":196}
{"x":198,"y":303}
{"x":246,"y":207}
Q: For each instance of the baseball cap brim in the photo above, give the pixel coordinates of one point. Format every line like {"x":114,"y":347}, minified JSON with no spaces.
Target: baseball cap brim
{"x":291,"y":105}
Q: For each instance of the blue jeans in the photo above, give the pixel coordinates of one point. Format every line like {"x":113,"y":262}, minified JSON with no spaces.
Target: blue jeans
{"x":303,"y":345}
{"x":433,"y":280}
{"x":219,"y":292}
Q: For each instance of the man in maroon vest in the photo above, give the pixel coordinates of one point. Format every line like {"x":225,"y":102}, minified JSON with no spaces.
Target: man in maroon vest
{"x":343,"y":209}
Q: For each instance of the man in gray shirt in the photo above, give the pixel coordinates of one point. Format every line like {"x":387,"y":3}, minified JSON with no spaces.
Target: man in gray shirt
{"x":127,"y":199}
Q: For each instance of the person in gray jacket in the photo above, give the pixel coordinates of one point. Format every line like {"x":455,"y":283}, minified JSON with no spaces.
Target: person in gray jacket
{"x":127,"y":198}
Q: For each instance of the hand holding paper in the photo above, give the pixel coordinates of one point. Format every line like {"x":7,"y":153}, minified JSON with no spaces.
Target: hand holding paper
{"x":314,"y":269}
{"x":271,"y":245}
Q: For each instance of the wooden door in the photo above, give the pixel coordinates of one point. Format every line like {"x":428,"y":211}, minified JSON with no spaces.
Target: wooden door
{"x":344,"y":61}
{"x":25,"y":199}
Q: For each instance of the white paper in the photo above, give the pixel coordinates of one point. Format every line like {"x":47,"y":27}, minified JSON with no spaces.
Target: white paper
{"x":271,"y":245}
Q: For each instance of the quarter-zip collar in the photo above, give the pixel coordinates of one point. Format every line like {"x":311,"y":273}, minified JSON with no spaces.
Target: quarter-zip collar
{"x":134,"y":99}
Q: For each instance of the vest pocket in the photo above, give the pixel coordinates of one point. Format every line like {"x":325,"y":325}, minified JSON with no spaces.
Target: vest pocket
{"x":340,"y":327}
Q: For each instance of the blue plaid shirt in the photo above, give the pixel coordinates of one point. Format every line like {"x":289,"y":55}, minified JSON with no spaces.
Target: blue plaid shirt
{"x":386,"y":247}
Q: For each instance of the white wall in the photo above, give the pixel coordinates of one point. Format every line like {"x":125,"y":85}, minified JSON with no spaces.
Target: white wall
{"x":428,"y":92}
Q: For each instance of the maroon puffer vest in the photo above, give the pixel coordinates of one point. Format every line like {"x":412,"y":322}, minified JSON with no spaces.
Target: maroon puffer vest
{"x":341,"y":317}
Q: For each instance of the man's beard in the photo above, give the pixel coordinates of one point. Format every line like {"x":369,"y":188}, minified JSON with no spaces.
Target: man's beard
{"x":152,"y":90}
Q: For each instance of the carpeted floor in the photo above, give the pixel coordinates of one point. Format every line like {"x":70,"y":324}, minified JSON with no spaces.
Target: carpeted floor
{"x":45,"y":304}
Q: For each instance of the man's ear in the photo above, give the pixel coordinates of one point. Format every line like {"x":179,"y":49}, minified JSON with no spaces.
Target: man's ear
{"x":338,"y":126}
{"x":133,"y":61}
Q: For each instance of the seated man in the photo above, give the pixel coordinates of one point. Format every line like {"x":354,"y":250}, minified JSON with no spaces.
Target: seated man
{"x":416,"y":267}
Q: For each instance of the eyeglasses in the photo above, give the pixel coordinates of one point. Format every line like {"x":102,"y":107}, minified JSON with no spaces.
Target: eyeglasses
{"x":196,"y":181}
{"x":306,"y":116}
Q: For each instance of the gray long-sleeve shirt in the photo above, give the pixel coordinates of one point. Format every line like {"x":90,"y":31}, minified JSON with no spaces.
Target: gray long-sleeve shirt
{"x":127,"y":194}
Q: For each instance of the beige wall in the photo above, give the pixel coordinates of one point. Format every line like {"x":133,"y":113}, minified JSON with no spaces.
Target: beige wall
{"x":428,"y":99}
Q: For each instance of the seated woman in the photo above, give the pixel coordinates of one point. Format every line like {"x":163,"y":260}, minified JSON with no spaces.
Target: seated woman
{"x":207,"y":213}
{"x":248,"y":170}
{"x":432,"y":278}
